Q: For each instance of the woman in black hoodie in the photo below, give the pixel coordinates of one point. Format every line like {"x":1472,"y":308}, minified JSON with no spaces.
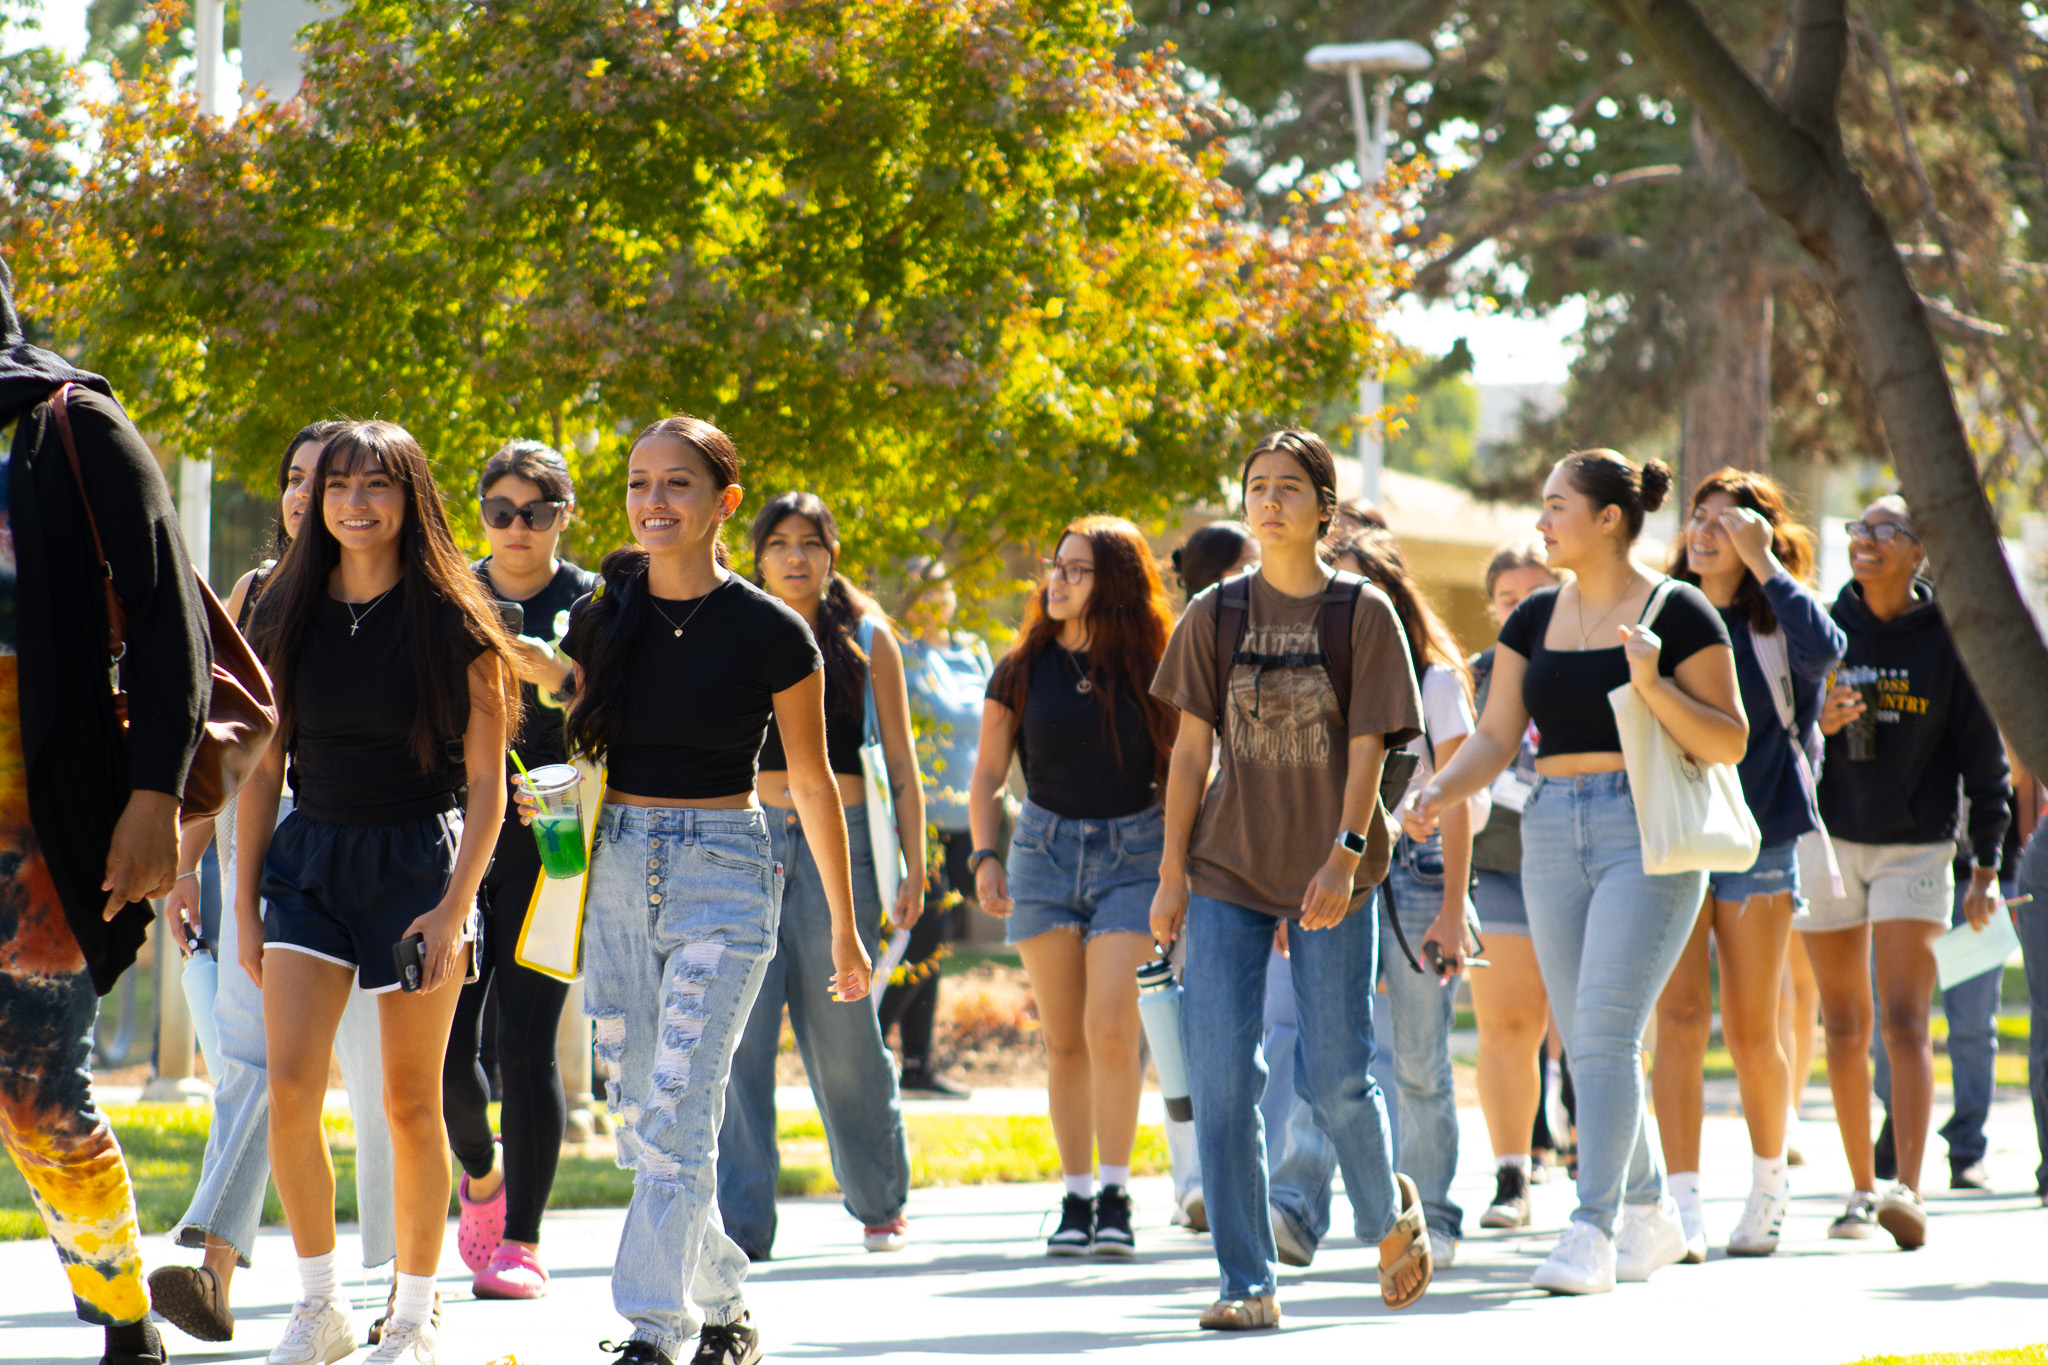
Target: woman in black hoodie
{"x":1904,"y":728}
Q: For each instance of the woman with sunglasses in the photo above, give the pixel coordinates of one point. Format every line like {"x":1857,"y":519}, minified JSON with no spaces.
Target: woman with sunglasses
{"x":796,"y":558}
{"x":1071,"y":699}
{"x":528,"y":501}
{"x":1905,"y":729}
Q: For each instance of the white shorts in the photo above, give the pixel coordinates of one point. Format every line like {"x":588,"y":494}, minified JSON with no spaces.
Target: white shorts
{"x":1879,"y":882}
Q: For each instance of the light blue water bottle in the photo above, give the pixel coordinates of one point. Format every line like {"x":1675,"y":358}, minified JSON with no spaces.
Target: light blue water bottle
{"x":1159,"y":1007}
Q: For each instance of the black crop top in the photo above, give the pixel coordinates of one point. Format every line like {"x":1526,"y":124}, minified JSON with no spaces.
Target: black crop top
{"x":844,"y":729}
{"x":1566,"y":690}
{"x":696,"y":705}
{"x":1070,"y":764}
{"x":353,"y":701}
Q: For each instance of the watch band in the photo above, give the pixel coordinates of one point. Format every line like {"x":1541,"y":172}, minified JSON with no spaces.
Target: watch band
{"x":978,"y":857}
{"x":1350,"y":842}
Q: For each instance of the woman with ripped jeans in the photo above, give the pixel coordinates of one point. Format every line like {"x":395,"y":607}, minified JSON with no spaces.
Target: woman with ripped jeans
{"x":679,"y":664}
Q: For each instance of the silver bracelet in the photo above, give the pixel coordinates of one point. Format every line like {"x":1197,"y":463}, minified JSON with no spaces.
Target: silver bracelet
{"x":194,"y":873}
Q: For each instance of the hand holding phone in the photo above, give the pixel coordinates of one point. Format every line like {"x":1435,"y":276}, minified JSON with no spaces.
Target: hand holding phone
{"x":409,"y":955}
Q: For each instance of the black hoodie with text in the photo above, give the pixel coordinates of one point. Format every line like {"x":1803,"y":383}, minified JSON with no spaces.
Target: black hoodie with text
{"x":1934,"y":737}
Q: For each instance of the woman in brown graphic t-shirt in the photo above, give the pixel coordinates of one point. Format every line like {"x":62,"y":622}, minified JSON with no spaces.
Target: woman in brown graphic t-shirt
{"x":1283,"y":834}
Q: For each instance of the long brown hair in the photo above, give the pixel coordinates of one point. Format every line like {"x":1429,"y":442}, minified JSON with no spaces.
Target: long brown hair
{"x":432,"y":573}
{"x":1129,"y":620}
{"x":1430,"y":642}
{"x":840,"y":610}
{"x":1790,"y":542}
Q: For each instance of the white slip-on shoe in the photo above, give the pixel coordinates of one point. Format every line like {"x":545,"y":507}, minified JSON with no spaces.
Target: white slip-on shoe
{"x":1650,"y":1238}
{"x":318,"y":1332}
{"x":1763,"y":1219}
{"x":1443,"y":1250}
{"x":1294,"y":1250}
{"x":1582,"y":1262}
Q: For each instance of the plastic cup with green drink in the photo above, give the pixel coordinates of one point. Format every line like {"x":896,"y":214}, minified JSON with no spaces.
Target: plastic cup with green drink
{"x":558,"y":818}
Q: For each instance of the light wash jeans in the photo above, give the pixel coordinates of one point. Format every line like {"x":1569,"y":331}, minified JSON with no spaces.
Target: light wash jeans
{"x":1221,"y":1025}
{"x":2032,"y":922}
{"x":1415,"y":1017}
{"x":853,"y":1077}
{"x":236,"y":1168}
{"x":677,"y":934}
{"x":1971,"y":1008}
{"x":1606,"y":936}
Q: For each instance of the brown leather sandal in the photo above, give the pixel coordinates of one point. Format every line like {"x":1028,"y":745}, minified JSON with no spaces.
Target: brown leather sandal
{"x":1257,"y":1314}
{"x":189,"y":1298}
{"x":1415,"y":1255}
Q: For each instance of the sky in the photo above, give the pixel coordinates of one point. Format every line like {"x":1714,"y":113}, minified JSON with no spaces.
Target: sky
{"x":1505,"y":350}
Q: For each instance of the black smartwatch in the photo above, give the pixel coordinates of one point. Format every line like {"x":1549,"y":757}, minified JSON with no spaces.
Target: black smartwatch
{"x":1351,"y":843}
{"x":978,"y":857}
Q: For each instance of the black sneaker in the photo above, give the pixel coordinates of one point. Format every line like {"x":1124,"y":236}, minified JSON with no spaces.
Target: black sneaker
{"x":923,"y":1081}
{"x":1968,"y":1175}
{"x":637,"y":1352}
{"x":135,"y":1343}
{"x":736,"y":1343}
{"x":1510,"y":1207}
{"x":1113,"y":1223}
{"x":1886,"y":1153}
{"x":1076,"y":1234}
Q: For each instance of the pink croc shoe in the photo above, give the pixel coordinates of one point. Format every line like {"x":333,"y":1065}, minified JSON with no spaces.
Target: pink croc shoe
{"x":482,"y":1228}
{"x":514,"y":1273}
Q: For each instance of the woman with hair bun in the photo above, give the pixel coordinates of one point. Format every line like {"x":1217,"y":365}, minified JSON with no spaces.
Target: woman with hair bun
{"x":1744,"y":551}
{"x":1213,"y":553}
{"x":1606,"y":933}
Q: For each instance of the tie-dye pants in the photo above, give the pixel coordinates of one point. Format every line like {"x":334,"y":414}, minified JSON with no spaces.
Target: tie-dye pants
{"x":63,"y":1146}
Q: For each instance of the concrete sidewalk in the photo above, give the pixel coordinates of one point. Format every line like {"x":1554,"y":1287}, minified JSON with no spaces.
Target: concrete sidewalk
{"x":975,"y":1284}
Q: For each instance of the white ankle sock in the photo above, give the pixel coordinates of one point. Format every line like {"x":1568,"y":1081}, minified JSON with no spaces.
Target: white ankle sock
{"x":1082,"y":1185}
{"x":415,"y":1302}
{"x":1767,"y":1173}
{"x":1685,"y":1189}
{"x":1519,"y":1163}
{"x":1116,"y":1175}
{"x":320,"y":1279}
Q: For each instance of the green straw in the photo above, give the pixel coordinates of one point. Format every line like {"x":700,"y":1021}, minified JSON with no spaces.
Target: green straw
{"x":522,"y":768}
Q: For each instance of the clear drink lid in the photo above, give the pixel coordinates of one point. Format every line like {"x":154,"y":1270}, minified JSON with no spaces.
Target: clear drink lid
{"x":550,"y":778}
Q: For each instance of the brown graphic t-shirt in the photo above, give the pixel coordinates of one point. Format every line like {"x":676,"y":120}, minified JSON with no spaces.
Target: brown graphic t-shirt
{"x":1277,"y":804}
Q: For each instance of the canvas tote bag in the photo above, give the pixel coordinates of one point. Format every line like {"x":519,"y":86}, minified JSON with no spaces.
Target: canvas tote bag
{"x":1691,"y":815}
{"x":551,"y":940}
{"x":883,"y":837}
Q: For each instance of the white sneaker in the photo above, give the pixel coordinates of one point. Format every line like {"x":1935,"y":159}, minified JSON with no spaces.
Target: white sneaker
{"x":1858,"y":1221}
{"x":1443,"y":1251}
{"x":405,"y":1343}
{"x":1582,"y":1262}
{"x":1291,"y":1248}
{"x":1692,"y":1219}
{"x":1763,"y":1218}
{"x":1651,"y":1238}
{"x":318,"y":1332}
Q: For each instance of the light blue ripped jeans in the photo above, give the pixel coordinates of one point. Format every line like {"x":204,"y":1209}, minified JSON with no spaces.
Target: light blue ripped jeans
{"x":677,"y":934}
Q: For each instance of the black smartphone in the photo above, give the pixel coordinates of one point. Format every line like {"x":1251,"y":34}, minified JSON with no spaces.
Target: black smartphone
{"x":513,"y":614}
{"x":409,"y":955}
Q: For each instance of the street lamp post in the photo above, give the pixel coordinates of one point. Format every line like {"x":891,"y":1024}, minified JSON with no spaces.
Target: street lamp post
{"x":1357,"y":61}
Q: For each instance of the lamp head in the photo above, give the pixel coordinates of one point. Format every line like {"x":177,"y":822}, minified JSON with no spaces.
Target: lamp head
{"x":1369,"y":59}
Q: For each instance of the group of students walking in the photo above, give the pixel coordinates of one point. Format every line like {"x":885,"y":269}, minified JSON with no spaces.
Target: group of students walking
{"x":1257,"y":787}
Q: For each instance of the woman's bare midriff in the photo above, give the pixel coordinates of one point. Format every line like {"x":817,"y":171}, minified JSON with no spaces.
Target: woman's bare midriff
{"x":1579,"y":765}
{"x":773,"y":789}
{"x":737,"y":801}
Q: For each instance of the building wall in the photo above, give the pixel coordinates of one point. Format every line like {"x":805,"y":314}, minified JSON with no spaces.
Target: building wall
{"x":271,"y":53}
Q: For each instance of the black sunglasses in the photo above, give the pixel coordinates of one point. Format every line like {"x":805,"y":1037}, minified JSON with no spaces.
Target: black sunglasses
{"x":1883,"y":532}
{"x":538,"y":516}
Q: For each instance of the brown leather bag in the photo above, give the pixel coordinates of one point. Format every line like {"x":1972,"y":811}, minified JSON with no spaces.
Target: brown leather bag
{"x":242,"y":716}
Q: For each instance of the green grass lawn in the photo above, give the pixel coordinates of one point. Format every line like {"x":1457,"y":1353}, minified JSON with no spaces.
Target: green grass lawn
{"x":165,"y":1143}
{"x":2021,"y":1355}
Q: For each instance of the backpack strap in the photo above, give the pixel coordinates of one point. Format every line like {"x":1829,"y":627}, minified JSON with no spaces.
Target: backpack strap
{"x":1774,"y":659}
{"x":1233,"y":617}
{"x":871,"y":724}
{"x":117,"y":616}
{"x":1333,"y":633}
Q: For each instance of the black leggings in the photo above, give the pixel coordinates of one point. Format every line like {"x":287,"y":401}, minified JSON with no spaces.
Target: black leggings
{"x":529,"y":1010}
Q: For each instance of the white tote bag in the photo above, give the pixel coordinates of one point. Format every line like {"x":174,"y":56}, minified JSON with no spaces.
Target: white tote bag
{"x":1691,"y":815}
{"x":881,"y":804}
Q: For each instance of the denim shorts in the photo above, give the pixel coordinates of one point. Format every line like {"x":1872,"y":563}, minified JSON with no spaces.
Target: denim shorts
{"x":1086,"y":876}
{"x":1498,"y":897}
{"x":347,"y":893}
{"x":1775,"y":871}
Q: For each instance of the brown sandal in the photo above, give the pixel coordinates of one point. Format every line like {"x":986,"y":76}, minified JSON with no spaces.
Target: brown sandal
{"x":1256,"y":1314}
{"x":1414,"y":1256}
{"x":189,"y":1298}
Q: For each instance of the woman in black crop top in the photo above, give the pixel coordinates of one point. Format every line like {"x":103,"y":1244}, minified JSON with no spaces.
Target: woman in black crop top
{"x":796,"y":554}
{"x":1073,"y":700}
{"x":679,"y":664}
{"x":1606,"y":933}
{"x":395,"y":695}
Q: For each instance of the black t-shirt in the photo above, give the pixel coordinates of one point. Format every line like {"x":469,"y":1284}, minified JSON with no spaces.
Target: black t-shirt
{"x":354,"y":697}
{"x":540,"y":731}
{"x":1071,"y":765}
{"x":845,"y":727}
{"x":1566,"y":690}
{"x":697,"y":705}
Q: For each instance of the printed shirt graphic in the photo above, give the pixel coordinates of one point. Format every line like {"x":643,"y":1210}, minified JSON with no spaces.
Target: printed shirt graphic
{"x":1269,"y":819}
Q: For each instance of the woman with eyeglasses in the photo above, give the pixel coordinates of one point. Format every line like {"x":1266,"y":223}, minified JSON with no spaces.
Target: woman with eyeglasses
{"x":1905,"y":729}
{"x":528,"y":500}
{"x":1072,"y":699}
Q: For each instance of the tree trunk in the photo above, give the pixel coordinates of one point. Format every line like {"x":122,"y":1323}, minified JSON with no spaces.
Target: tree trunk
{"x":1793,"y":161}
{"x":1727,"y":418}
